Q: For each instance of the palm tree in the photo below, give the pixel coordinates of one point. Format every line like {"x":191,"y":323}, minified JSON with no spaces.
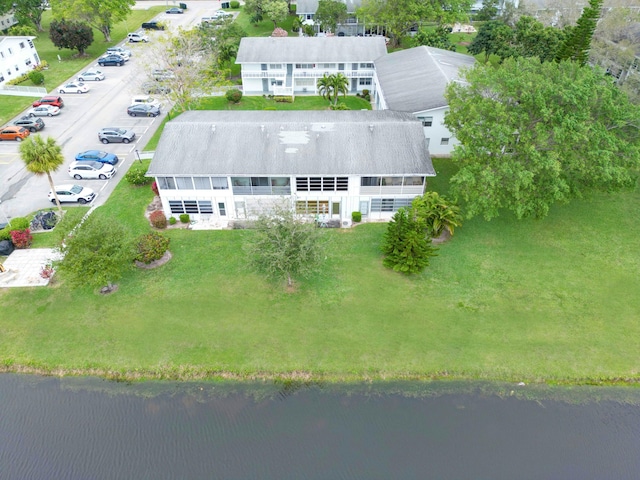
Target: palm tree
{"x":331,"y":86}
{"x":42,"y":157}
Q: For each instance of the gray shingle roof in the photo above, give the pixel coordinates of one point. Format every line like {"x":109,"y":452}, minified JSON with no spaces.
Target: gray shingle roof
{"x":415,"y":79}
{"x":292,"y":143}
{"x":310,"y":49}
{"x":311,"y":6}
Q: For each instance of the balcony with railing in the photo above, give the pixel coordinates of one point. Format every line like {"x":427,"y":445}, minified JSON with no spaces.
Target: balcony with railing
{"x":264,"y":74}
{"x":316,"y":73}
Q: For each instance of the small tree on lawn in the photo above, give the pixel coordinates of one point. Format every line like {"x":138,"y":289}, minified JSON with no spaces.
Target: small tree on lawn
{"x":331,"y":86}
{"x":283,"y":246}
{"x":72,"y":35}
{"x":96,"y":253}
{"x":437,"y":213}
{"x":406,"y":248}
{"x":42,"y":157}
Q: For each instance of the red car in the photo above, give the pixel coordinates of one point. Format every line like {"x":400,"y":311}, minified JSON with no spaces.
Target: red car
{"x":50,"y":100}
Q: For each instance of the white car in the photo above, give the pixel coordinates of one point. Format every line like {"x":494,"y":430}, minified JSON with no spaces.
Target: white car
{"x":74,"y":87}
{"x":44,"y":111}
{"x":96,"y":75}
{"x":80,"y":170}
{"x":145,"y":99}
{"x":72,"y":193}
{"x":137,"y":37}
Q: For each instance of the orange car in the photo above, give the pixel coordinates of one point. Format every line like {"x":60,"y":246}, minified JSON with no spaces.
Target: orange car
{"x":13,"y":132}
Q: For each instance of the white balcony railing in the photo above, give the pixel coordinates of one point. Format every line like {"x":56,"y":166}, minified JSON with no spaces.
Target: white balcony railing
{"x":320,"y":73}
{"x":264,"y":74}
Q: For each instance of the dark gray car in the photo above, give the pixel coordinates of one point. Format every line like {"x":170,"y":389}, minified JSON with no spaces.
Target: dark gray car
{"x":116,"y":135}
{"x":143,"y":110}
{"x":30,"y":123}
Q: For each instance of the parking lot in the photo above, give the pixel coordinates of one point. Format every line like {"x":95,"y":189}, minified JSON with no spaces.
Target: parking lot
{"x":83,"y":115}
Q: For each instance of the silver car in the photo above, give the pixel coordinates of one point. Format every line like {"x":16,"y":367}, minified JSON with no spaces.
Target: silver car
{"x":96,"y":75}
{"x":116,"y":135}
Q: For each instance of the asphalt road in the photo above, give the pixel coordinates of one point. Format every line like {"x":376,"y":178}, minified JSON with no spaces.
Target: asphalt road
{"x":83,"y":115}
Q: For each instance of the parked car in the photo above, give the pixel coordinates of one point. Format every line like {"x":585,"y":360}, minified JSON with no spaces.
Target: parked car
{"x":152,"y":26}
{"x":74,"y":87}
{"x":137,"y":37}
{"x":145,"y":99}
{"x":174,"y":10}
{"x":155,"y":88}
{"x":116,"y":135}
{"x":218,"y":14}
{"x":13,"y":132}
{"x":143,"y":110}
{"x":118,"y":49}
{"x":124,"y":56}
{"x":97,"y":156}
{"x":44,"y":111}
{"x":111,"y":60}
{"x":49,"y":100}
{"x":72,"y":193}
{"x":162,"y":74}
{"x":81,"y":170}
{"x":95,"y":75}
{"x":30,"y":123}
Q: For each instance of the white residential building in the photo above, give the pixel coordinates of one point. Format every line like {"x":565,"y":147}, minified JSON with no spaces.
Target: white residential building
{"x":233,"y":164}
{"x":18,"y":55}
{"x":288,"y":66}
{"x":414,"y":81}
{"x":7,"y":21}
{"x":352,"y":26}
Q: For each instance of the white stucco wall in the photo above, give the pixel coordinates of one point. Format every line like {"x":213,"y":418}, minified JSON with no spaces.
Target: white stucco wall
{"x":18,"y":55}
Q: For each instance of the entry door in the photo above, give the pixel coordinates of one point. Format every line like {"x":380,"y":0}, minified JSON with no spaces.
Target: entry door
{"x":335,"y":209}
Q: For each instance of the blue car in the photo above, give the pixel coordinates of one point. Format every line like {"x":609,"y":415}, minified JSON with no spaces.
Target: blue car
{"x":111,"y":60}
{"x":97,"y":156}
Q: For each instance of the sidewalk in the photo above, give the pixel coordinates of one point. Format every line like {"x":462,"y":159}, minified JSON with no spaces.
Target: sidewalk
{"x":23,"y":267}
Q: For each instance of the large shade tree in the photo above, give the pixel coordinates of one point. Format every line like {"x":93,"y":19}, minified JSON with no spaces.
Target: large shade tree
{"x":330,"y":13}
{"x":42,"y":157}
{"x":532,"y":134}
{"x":100,"y":14}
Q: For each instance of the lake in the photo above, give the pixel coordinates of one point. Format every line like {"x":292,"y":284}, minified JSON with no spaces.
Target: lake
{"x":87,"y":428}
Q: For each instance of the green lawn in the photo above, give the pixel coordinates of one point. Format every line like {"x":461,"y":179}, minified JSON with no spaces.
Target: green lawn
{"x":553,"y":300}
{"x":69,"y":63}
{"x":265,"y":27}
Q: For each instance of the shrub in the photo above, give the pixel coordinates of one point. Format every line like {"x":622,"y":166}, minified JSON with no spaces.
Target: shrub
{"x":37,"y":78}
{"x":158,"y":219}
{"x":23,"y":78}
{"x":283,"y":98}
{"x":172,"y":220}
{"x":47,"y":271}
{"x":184,"y":217}
{"x":5,"y":234}
{"x":21,"y":238}
{"x":154,"y":188}
{"x":151,"y":246}
{"x":365,"y":92}
{"x":339,"y":106}
{"x":234,"y":95}
{"x":234,"y":4}
{"x":136,"y":176}
{"x":356,"y":216}
{"x":19,"y":223}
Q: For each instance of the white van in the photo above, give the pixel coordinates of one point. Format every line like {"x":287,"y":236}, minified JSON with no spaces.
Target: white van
{"x":136,"y":37}
{"x":148,"y":99}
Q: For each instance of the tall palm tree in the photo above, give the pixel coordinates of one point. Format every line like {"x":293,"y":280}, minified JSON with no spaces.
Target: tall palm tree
{"x":325,"y":86}
{"x":43,"y":157}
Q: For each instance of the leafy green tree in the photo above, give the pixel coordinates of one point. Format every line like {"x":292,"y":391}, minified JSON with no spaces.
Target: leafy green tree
{"x":226,"y":40}
{"x":275,"y":10}
{"x":42,"y":157}
{"x":330,"y":86}
{"x":283,"y":246}
{"x":437,"y":213}
{"x":493,"y":37}
{"x":72,"y":35}
{"x":438,"y":38}
{"x":330,"y":13}
{"x":100,"y":14}
{"x":532,"y":134}
{"x":97,"y":253}
{"x":23,"y":31}
{"x":254,"y":10}
{"x":578,"y":43}
{"x":405,"y":247}
{"x":489,"y":11}
{"x":29,"y":12}
{"x":533,"y":39}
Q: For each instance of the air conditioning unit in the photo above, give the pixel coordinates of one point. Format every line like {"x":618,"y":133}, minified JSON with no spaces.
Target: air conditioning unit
{"x":346,"y":223}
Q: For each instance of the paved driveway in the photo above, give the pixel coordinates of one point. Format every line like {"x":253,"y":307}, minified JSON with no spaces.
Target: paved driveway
{"x":76,"y":128}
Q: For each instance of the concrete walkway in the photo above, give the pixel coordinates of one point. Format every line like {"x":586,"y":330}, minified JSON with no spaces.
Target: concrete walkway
{"x":23,"y":267}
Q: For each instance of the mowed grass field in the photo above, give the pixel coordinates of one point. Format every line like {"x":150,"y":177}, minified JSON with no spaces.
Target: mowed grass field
{"x":556,"y":300}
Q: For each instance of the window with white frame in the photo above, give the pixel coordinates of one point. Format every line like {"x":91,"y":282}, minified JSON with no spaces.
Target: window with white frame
{"x":10,"y":52}
{"x":305,"y":65}
{"x":366,"y":65}
{"x":190,"y":206}
{"x":327,"y":65}
{"x":166,"y":183}
{"x":219,"y":183}
{"x":27,"y":62}
{"x":364,"y":81}
{"x":322,"y":184}
{"x":444,"y":141}
{"x":426,"y":121}
{"x":389,"y":204}
{"x":184,"y":183}
{"x":21,"y":44}
{"x":202,"y":183}
{"x":312,"y":207}
{"x":305,"y":82}
{"x":275,"y":66}
{"x":30,"y":43}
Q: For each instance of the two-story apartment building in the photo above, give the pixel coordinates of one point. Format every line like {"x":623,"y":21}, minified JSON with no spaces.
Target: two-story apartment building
{"x":293,"y":65}
{"x":18,"y":55}
{"x":7,"y":21}
{"x":414,"y":81}
{"x":352,"y":26}
{"x":220,"y":166}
